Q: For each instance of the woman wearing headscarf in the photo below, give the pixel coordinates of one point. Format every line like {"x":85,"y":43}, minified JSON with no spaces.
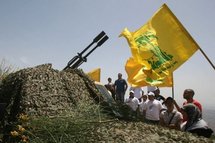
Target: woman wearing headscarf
{"x":195,"y":123}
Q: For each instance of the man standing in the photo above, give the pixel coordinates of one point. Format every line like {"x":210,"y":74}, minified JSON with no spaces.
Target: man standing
{"x":132,"y":101}
{"x":151,"y":109}
{"x":120,"y":86}
{"x":157,"y":94}
{"x":110,"y":87}
{"x":138,"y":92}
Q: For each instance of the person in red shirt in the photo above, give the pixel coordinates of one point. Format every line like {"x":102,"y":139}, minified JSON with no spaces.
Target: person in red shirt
{"x":188,"y":95}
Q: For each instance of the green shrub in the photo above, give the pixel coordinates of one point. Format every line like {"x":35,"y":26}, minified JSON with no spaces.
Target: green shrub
{"x":71,"y":126}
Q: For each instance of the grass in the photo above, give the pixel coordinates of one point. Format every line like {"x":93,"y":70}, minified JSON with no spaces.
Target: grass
{"x":71,"y":126}
{"x":76,"y":125}
{"x":5,"y":69}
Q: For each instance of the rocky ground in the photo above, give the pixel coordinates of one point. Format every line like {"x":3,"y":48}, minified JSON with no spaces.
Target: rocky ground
{"x":139,"y":132}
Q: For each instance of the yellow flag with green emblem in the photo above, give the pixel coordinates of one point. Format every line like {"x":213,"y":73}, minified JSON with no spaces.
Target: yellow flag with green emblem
{"x":95,"y":74}
{"x":158,"y":48}
{"x":138,"y":77}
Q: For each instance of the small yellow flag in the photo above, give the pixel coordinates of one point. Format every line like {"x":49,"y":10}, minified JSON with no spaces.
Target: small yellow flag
{"x":95,"y":74}
{"x":158,"y":48}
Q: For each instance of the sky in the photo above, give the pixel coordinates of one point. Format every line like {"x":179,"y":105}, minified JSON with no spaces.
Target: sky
{"x":34,"y":32}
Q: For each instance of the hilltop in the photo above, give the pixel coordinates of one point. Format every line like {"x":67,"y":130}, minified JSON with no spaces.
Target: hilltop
{"x":66,"y":106}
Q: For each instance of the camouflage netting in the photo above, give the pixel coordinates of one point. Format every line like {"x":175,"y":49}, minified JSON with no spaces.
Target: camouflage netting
{"x":45,"y":91}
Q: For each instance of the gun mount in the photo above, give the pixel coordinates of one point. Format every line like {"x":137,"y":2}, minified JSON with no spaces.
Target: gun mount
{"x":76,"y":61}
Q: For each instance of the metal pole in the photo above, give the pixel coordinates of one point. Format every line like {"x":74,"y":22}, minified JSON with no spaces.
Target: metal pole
{"x":207,"y":58}
{"x":173,"y":96}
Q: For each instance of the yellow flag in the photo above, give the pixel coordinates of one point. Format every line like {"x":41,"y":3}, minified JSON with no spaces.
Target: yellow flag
{"x":138,"y":77}
{"x":158,"y":48}
{"x":95,"y":74}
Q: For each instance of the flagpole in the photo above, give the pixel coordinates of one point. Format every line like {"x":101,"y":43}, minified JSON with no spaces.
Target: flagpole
{"x":207,"y":58}
{"x":172,"y":87}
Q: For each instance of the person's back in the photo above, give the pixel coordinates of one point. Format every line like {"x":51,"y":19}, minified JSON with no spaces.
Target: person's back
{"x":201,"y":129}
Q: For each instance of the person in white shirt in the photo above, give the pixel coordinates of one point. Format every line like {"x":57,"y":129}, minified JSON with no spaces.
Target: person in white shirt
{"x":132,"y":101}
{"x":138,"y":92}
{"x":151,"y":109}
{"x":141,"y":104}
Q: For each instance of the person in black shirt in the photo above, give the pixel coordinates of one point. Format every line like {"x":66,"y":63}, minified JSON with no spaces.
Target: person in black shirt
{"x":157,"y":95}
{"x":120,"y":86}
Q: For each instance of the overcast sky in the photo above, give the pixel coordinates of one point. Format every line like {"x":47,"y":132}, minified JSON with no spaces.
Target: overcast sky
{"x":34,"y":32}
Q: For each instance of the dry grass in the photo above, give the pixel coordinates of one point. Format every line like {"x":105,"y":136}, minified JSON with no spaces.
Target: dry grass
{"x":5,"y":69}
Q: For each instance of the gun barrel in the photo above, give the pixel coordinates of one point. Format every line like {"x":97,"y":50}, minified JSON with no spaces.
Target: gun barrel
{"x":99,"y":44}
{"x":76,"y":61}
{"x":96,"y":39}
{"x":102,"y":40}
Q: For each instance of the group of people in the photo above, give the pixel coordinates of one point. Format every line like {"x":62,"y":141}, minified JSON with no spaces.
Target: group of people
{"x":155,"y":109}
{"x":118,"y":88}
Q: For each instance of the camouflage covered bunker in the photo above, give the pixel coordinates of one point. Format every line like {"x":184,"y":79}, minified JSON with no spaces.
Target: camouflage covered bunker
{"x":42,"y":90}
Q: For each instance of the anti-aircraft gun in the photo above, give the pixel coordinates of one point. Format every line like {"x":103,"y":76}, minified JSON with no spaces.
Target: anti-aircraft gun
{"x":76,"y":61}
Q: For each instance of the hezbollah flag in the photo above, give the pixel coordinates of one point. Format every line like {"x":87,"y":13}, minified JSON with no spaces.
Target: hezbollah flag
{"x":95,"y":74}
{"x":138,"y":77}
{"x":158,"y":48}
